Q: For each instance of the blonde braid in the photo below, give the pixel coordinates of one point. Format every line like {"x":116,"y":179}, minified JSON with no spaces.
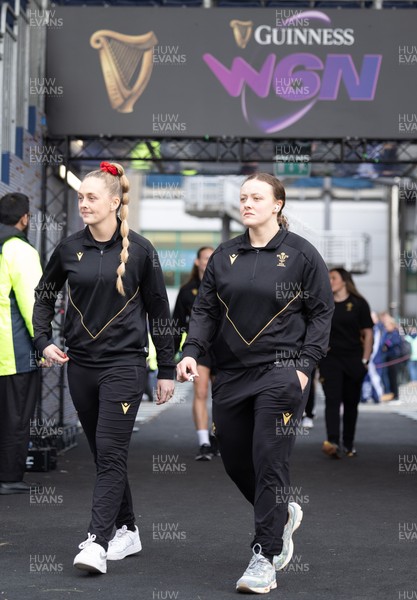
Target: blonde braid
{"x":124,"y":227}
{"x":118,"y":185}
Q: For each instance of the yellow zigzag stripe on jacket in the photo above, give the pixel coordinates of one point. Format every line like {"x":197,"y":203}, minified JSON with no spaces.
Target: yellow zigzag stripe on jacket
{"x":108,"y":323}
{"x":263,"y":328}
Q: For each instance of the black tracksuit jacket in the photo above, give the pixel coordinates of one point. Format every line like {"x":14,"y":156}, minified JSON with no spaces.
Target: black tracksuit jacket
{"x":102,"y":327}
{"x":265,"y":305}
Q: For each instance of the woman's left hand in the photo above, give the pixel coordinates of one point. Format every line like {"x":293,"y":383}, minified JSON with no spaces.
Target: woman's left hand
{"x":164,"y":390}
{"x":303,"y":379}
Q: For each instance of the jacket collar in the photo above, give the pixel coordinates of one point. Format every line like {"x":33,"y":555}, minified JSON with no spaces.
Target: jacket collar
{"x":9,"y":231}
{"x":90,"y":241}
{"x":246,"y":246}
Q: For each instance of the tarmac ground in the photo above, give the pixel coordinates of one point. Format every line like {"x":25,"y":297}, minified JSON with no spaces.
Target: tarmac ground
{"x":357,"y":541}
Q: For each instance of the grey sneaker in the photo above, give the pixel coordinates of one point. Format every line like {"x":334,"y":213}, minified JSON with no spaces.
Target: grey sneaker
{"x":295,"y":516}
{"x":260,"y":576}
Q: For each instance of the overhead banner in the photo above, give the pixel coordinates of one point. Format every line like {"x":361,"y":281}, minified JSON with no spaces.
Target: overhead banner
{"x":281,"y":73}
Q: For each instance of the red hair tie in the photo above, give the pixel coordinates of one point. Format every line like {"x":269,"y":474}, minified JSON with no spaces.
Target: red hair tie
{"x":108,"y":168}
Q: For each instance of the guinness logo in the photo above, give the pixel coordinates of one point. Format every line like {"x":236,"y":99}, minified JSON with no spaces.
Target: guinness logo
{"x":233,"y":257}
{"x":80,"y":255}
{"x":281,"y":259}
{"x":194,"y":291}
{"x":242,"y":31}
{"x":349,"y":306}
{"x":126,"y":62}
{"x":125,"y":407}
{"x":286,"y":417}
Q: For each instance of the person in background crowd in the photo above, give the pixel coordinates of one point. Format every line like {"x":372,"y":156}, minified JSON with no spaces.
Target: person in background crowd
{"x":372,"y":387}
{"x":114,"y":281}
{"x":151,"y":372}
{"x":391,"y":356}
{"x":181,"y":318}
{"x":265,"y":304}
{"x":412,"y":362}
{"x":20,"y":271}
{"x":343,"y":369}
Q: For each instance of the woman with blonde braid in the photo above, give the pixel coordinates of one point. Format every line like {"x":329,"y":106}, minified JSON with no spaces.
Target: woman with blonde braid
{"x":114,"y":282}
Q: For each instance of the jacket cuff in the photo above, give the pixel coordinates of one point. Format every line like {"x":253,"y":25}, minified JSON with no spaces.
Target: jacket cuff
{"x":42,"y":343}
{"x":305,"y":364}
{"x":190,"y":351}
{"x":166,"y":372}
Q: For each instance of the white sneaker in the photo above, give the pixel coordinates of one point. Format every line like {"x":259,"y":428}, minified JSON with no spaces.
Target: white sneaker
{"x":124,"y":543}
{"x":307,"y":423}
{"x":92,"y":557}
{"x":295,"y":516}
{"x":260,"y":576}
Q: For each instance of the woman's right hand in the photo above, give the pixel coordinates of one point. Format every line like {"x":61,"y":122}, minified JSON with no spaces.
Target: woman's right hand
{"x":187,"y":368}
{"x":54,"y":356}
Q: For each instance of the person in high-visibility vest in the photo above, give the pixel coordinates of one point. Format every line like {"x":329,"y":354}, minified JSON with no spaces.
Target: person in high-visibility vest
{"x":20,"y":271}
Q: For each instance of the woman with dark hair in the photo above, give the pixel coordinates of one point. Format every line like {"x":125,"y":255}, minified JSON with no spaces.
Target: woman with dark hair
{"x":343,"y":369}
{"x":266,"y":301}
{"x":114,"y":282}
{"x":181,"y":318}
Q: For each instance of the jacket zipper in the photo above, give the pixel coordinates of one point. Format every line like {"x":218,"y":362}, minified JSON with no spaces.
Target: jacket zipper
{"x":101,"y":260}
{"x":255,"y":265}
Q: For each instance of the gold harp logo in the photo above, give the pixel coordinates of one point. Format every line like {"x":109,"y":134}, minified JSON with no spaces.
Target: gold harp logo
{"x":242,"y":31}
{"x":126,"y":62}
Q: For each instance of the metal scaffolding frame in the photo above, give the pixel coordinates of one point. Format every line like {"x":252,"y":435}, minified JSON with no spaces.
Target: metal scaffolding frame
{"x":233,"y":150}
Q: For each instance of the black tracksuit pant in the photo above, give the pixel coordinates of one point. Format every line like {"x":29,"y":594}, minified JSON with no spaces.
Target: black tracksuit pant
{"x":256,"y":413}
{"x":341,"y":378}
{"x":18,"y":396}
{"x":107,"y":401}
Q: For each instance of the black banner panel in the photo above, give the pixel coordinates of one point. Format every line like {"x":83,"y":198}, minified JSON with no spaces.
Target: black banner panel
{"x":282,"y":73}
